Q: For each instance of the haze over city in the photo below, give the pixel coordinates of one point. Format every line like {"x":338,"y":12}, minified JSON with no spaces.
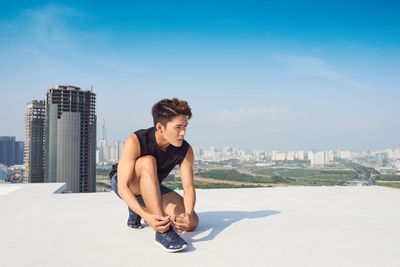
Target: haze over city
{"x":279,"y":75}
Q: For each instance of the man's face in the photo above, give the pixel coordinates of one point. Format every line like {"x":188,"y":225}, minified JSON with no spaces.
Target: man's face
{"x":175,"y":130}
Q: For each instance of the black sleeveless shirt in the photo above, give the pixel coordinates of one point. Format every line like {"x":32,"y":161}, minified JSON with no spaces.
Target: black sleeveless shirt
{"x":166,"y":160}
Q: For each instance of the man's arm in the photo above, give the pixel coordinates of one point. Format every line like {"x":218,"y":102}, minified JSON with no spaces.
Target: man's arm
{"x":186,"y":171}
{"x":189,"y":220}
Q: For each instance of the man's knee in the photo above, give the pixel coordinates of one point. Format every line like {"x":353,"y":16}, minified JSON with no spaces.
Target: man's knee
{"x":145,"y":164}
{"x":148,"y":159}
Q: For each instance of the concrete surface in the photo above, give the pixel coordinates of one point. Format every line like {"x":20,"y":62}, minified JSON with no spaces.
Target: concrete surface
{"x":292,"y":226}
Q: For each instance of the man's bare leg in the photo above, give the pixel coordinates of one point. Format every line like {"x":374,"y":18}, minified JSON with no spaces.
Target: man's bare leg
{"x":146,"y":175}
{"x":146,"y":183}
{"x":149,"y":186}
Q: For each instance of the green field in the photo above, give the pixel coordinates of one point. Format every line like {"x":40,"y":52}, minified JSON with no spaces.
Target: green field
{"x":307,"y":173}
{"x":388,"y":177}
{"x":233,"y":175}
{"x":300,"y":176}
{"x":283,"y":176}
{"x":309,"y":176}
{"x":393,"y":185}
{"x":204,"y":185}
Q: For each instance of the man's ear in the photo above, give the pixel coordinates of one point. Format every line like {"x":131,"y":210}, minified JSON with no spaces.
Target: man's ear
{"x":159,"y":126}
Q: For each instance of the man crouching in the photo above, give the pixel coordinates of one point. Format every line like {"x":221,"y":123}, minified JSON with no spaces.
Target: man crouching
{"x":147,"y":158}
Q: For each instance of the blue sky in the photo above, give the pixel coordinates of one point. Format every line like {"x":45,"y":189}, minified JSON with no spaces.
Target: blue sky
{"x":257,"y":74}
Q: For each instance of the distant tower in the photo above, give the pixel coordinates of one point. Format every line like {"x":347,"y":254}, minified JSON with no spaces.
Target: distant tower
{"x":34,"y":145}
{"x":70,"y":150}
{"x":103,"y":147}
{"x":103,"y":130}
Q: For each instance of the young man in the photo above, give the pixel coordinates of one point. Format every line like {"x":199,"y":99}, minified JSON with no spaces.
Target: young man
{"x":147,"y":158}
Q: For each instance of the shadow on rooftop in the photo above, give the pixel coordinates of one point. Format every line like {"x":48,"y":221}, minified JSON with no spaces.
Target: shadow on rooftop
{"x":214,"y":222}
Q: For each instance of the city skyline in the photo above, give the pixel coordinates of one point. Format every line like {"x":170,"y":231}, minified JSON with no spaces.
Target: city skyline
{"x":220,"y":147}
{"x":284,"y":76}
{"x":110,"y":151}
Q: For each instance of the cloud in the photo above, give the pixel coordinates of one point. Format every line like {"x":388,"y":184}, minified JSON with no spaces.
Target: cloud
{"x":268,"y":120}
{"x":47,"y":28}
{"x":58,"y":44}
{"x":313,"y":66}
{"x":240,"y":127}
{"x":357,"y":124}
{"x":263,"y":114}
{"x":271,"y":131}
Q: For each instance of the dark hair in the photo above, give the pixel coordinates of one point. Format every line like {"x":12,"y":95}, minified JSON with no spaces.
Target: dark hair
{"x":164,"y":110}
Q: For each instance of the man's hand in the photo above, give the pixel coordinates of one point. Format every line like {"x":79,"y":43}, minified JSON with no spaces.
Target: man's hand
{"x":185,"y":222}
{"x":158,"y":223}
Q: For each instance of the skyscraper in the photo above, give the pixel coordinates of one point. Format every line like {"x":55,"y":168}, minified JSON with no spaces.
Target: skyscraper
{"x":34,"y":145}
{"x":11,"y":151}
{"x":70,"y":149}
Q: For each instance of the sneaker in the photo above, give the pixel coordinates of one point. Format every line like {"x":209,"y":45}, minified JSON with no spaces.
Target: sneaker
{"x":134,"y":220}
{"x":170,"y":241}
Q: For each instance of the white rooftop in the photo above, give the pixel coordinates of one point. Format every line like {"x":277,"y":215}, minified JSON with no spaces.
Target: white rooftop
{"x":290,"y":226}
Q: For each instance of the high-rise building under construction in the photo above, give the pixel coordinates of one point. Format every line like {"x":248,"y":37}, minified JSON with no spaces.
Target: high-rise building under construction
{"x":34,"y":145}
{"x":70,"y":147}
